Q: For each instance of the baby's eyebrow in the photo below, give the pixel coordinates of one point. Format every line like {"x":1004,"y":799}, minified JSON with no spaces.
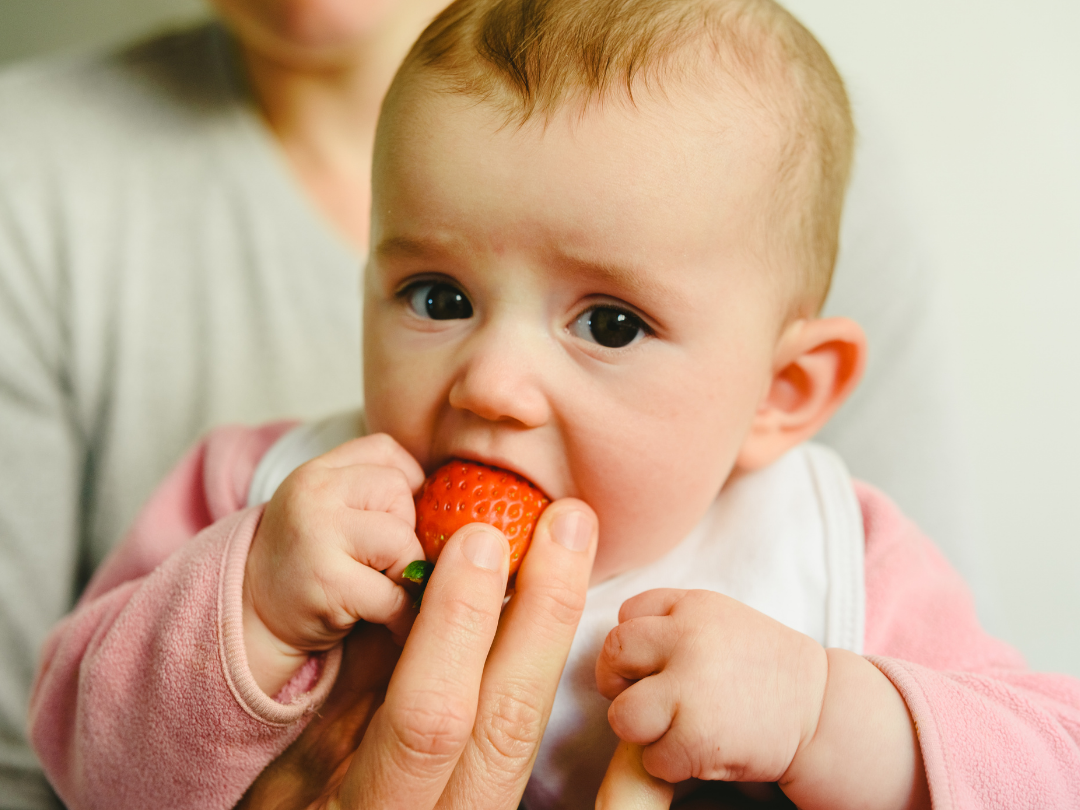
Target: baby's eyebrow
{"x":635,"y":280}
{"x":407,"y":247}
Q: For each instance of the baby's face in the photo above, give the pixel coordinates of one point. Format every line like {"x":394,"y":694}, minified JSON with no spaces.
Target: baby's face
{"x":586,"y":303}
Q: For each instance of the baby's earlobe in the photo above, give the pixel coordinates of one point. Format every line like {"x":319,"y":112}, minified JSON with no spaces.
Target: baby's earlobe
{"x":819,"y":363}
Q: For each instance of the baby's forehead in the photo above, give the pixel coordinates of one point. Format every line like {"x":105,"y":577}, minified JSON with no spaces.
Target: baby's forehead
{"x":683,"y":156}
{"x":634,"y":202}
{"x":704,"y":123}
{"x":733,"y":63}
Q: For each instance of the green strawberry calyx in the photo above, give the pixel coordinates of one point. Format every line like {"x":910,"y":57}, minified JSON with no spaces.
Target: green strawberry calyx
{"x":418,"y":571}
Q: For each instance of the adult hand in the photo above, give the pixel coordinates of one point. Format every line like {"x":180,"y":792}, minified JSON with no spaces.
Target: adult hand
{"x":466,"y":706}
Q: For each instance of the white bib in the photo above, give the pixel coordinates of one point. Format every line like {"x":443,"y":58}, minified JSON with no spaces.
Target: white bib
{"x":787,"y":541}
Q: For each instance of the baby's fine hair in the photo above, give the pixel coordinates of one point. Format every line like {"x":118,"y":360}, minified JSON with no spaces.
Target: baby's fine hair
{"x":529,"y":58}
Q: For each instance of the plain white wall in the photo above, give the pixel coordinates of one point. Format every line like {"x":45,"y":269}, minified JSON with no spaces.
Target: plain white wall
{"x":983,"y":100}
{"x":984,"y":104}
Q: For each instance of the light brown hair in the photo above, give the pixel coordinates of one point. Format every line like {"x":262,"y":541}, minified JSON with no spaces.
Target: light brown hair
{"x":530,"y":57}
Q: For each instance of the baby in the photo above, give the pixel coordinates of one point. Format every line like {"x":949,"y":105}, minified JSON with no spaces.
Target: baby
{"x":601,"y":233}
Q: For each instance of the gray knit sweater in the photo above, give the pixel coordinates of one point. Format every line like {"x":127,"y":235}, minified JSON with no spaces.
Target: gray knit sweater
{"x":159,"y":273}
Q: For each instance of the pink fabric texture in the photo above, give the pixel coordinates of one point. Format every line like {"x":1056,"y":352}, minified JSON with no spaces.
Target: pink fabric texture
{"x":993,"y":734}
{"x":144,"y":697}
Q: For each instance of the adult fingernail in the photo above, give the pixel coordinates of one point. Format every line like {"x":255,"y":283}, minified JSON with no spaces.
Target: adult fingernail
{"x":572,"y":530}
{"x":483,"y":550}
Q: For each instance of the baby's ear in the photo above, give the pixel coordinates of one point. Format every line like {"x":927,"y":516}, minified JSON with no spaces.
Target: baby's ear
{"x":816,"y":365}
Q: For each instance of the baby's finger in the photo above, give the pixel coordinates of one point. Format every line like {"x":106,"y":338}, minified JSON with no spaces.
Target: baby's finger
{"x":361,"y":487}
{"x":417,"y":736}
{"x":367,"y":595}
{"x":378,"y":540}
{"x":657,"y":602}
{"x":376,"y":450}
{"x":526,"y":660}
{"x":643,"y":713}
{"x":634,"y":650}
{"x":670,"y":758}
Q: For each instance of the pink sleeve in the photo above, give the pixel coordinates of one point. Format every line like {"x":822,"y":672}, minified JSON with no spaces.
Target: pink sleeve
{"x":993,"y":733}
{"x":143,"y":696}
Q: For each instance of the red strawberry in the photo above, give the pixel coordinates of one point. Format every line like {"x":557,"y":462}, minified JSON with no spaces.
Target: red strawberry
{"x":462,"y":492}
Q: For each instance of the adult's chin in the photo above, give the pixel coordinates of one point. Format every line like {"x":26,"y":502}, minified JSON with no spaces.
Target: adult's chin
{"x":304,"y":34}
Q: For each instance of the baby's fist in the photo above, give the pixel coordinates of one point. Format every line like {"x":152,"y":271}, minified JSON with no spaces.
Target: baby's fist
{"x":714,"y":689}
{"x":328,"y":553}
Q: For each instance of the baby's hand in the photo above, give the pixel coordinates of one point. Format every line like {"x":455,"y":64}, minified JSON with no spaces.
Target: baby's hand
{"x":329,"y":553}
{"x":714,"y":689}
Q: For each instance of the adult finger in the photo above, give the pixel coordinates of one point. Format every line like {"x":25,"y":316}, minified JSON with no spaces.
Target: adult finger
{"x":526,"y":661}
{"x":417,"y":736}
{"x":633,"y":650}
{"x":628,"y":786}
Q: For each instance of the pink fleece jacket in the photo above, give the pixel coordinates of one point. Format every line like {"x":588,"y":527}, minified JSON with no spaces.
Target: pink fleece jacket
{"x":144,"y":697}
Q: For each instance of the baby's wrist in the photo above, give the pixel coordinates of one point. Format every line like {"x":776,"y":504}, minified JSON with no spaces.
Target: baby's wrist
{"x":271,"y":661}
{"x":814,"y":686}
{"x":863,"y":751}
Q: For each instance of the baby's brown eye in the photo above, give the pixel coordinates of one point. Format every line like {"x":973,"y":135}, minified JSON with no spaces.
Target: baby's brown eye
{"x":438,"y":300}
{"x":611,"y":327}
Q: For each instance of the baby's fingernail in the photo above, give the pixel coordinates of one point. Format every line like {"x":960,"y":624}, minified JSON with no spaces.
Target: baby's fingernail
{"x":483,"y":550}
{"x":573,"y":530}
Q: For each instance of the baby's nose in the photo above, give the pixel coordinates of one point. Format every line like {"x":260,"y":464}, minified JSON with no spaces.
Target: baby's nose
{"x":502,"y":380}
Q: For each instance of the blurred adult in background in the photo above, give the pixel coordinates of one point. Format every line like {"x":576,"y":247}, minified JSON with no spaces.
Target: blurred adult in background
{"x":182,"y":227}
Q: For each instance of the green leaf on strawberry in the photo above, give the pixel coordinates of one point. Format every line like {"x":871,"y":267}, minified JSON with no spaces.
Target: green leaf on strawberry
{"x":418,"y":571}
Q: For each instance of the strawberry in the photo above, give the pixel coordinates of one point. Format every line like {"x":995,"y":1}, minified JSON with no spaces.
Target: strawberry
{"x":462,"y":492}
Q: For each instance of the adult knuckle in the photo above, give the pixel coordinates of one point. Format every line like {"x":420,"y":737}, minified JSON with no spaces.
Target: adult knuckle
{"x":561,"y":603}
{"x":431,"y":729}
{"x":511,"y":727}
{"x":465,"y":620}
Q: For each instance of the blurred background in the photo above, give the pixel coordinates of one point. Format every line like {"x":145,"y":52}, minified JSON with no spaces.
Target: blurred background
{"x":982,"y":105}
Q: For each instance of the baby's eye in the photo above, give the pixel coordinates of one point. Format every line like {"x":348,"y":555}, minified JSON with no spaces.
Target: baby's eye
{"x":438,"y":300}
{"x":609,"y":326}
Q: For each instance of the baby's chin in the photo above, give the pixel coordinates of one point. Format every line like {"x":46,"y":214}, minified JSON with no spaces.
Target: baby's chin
{"x":622,"y":551}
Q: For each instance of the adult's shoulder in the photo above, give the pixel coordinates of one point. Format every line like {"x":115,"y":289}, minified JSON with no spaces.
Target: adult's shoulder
{"x":91,"y":106}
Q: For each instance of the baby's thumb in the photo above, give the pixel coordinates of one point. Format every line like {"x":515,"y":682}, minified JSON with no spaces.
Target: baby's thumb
{"x":628,"y":786}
